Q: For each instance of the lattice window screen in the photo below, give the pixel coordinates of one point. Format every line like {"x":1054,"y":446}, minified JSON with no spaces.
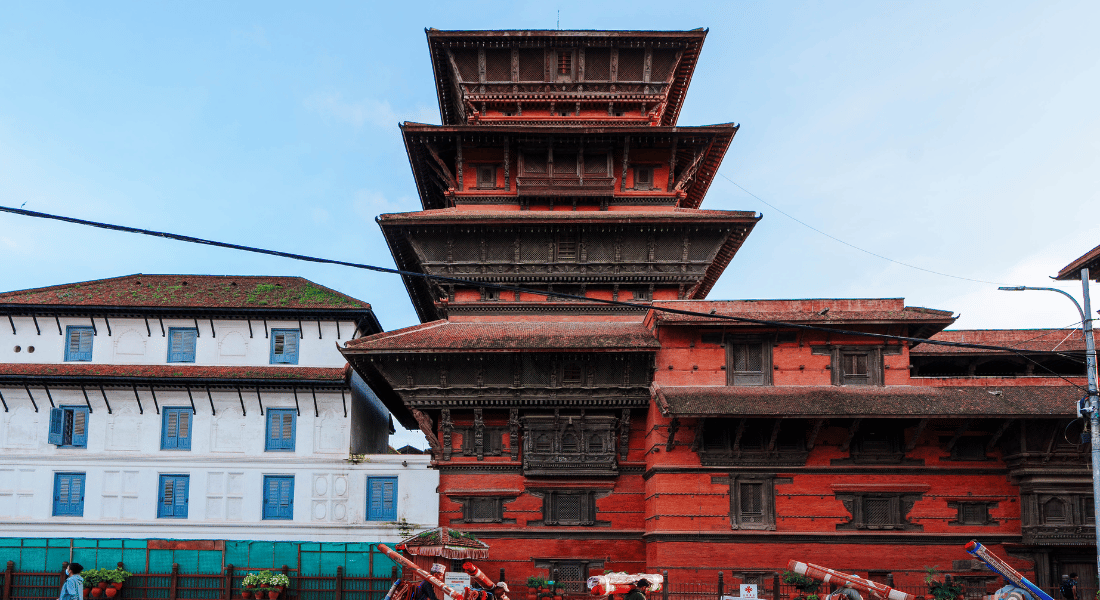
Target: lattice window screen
{"x":597,"y":64}
{"x":631,"y":64}
{"x":531,"y":64}
{"x":498,"y":65}
{"x":568,"y":508}
{"x":876,"y":512}
{"x":466,"y":59}
{"x":662,"y":63}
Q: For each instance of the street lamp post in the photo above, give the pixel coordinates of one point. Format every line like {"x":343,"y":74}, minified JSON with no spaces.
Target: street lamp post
{"x":1093,"y":402}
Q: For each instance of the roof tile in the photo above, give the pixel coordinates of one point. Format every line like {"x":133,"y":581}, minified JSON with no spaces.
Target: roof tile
{"x":509,"y":335}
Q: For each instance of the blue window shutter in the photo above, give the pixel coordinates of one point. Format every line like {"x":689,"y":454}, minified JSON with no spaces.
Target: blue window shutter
{"x":68,"y":495}
{"x":78,"y":344}
{"x":181,"y":496}
{"x":80,"y":427}
{"x":284,"y":346}
{"x":381,"y":498}
{"x":57,"y":426}
{"x":176,"y":429}
{"x":281,"y":423}
{"x":181,"y":344}
{"x":278,"y":497}
{"x":183,"y":435}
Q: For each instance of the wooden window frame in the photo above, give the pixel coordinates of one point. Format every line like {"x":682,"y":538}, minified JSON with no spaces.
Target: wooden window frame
{"x":765,"y":521}
{"x":876,"y":373}
{"x":383,"y":513}
{"x":766,"y":345}
{"x":551,"y":501}
{"x":963,"y":519}
{"x":265,"y":514}
{"x":63,"y":421}
{"x":285,"y":357}
{"x":175,"y":441}
{"x":169,"y":507}
{"x":652,"y":185}
{"x":279,"y":444}
{"x":182,"y":356}
{"x":482,"y":183}
{"x":901,"y":505}
{"x":81,"y":331}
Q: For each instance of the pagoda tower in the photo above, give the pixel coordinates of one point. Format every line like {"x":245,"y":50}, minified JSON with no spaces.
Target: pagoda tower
{"x":559,"y":168}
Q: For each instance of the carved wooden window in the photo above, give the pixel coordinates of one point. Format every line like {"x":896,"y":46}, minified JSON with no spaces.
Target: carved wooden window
{"x":595,"y":164}
{"x":971,"y":513}
{"x":572,"y":373}
{"x":752,"y":502}
{"x":749,"y":362}
{"x":570,"y":575}
{"x":486,"y":176}
{"x":565,"y":163}
{"x":491,"y":441}
{"x":1088,"y":510}
{"x":534,"y":163}
{"x":569,"y":508}
{"x":643,"y":177}
{"x":855,"y":365}
{"x":567,"y":247}
{"x":483,"y":509}
{"x":1054,"y":511}
{"x":641,"y":294}
{"x":565,"y":65}
{"x":879,"y":511}
{"x":543,"y":442}
{"x":569,"y":445}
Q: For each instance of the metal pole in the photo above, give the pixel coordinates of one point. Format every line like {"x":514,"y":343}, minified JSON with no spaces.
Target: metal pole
{"x":1094,"y":405}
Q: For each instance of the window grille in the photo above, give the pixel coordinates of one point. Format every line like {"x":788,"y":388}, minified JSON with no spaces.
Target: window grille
{"x":568,"y":508}
{"x":567,"y":247}
{"x":498,"y":65}
{"x":748,"y":364}
{"x":534,"y":163}
{"x":973,"y":513}
{"x":595,"y":164}
{"x":597,"y":64}
{"x":643,"y":178}
{"x":877,"y":512}
{"x":565,"y":62}
{"x":752,"y":502}
{"x":572,"y":373}
{"x":631,"y":64}
{"x":487,"y":176}
{"x":531,"y":64}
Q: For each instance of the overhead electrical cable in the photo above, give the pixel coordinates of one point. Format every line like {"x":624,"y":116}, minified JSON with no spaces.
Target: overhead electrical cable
{"x":458,"y":280}
{"x":853,"y":246}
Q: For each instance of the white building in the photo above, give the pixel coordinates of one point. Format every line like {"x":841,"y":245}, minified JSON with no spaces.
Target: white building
{"x":197,"y":407}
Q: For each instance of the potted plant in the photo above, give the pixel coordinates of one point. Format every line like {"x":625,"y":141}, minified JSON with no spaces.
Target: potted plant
{"x":277,"y":584}
{"x":93,"y":579}
{"x":941,"y":590}
{"x":806,"y":587}
{"x":254,"y":583}
{"x":116,"y":577}
{"x":535,"y":583}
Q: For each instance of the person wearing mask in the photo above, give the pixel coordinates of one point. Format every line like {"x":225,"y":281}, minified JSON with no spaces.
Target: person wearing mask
{"x":425,"y":590}
{"x":639,"y":591}
{"x":74,"y":585}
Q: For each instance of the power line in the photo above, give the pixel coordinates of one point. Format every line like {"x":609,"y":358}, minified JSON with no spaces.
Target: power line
{"x":853,"y":246}
{"x":461,"y":281}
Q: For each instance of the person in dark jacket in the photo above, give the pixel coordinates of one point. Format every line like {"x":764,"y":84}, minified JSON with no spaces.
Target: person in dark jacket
{"x":641,"y":587}
{"x":425,"y":590}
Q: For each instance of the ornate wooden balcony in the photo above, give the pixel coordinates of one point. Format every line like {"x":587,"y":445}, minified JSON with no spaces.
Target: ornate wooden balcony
{"x":552,"y":186}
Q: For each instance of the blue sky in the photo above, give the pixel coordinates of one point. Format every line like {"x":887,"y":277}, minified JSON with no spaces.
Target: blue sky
{"x":959,"y":137}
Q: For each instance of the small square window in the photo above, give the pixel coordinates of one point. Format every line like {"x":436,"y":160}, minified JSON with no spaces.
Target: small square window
{"x":567,"y":247}
{"x":749,"y":363}
{"x":572,"y":373}
{"x":284,"y":346}
{"x":278,"y":497}
{"x":181,"y":344}
{"x":78,"y":346}
{"x":569,"y":508}
{"x":69,"y":426}
{"x":643,"y":178}
{"x":172,"y":497}
{"x":973,"y":513}
{"x":280,"y":429}
{"x":565,"y":62}
{"x":381,"y":498}
{"x":486,"y":176}
{"x":483,"y":510}
{"x":68,"y":494}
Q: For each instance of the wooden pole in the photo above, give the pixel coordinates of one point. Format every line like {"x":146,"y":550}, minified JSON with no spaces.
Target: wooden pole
{"x":173,"y":582}
{"x":339,"y":592}
{"x":9,"y":574}
{"x":227,"y":584}
{"x":426,"y":575}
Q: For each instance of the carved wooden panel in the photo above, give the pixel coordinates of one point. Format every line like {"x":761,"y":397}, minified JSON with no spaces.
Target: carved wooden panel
{"x":569,"y":444}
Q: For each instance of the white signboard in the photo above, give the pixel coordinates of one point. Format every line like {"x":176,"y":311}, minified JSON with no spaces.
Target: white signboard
{"x":748,"y":590}
{"x":729,"y":597}
{"x":456,"y":580}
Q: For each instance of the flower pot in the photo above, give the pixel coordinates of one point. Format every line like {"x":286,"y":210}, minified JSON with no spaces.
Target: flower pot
{"x":246,"y":594}
{"x":272,"y":594}
{"x":96,"y":592}
{"x":102,"y":585}
{"x":110,"y":592}
{"x":117,"y":585}
{"x":86,"y":592}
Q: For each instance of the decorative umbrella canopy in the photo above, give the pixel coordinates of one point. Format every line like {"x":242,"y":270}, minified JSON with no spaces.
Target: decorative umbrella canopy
{"x":445,"y":542}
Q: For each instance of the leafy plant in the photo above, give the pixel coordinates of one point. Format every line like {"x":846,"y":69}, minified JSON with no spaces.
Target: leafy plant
{"x":536,"y":581}
{"x":812,"y":597}
{"x":116,"y":575}
{"x":257,"y":580}
{"x":279,"y":580}
{"x":802,"y":583}
{"x":941,"y":590}
{"x":92,"y":577}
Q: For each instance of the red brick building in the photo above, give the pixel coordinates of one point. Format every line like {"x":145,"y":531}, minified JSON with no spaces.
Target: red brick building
{"x":576,"y":436}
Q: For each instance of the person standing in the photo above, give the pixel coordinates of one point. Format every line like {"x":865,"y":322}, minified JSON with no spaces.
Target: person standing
{"x":73,"y":589}
{"x":425,"y":590}
{"x":1069,"y":587}
{"x":639,"y":591}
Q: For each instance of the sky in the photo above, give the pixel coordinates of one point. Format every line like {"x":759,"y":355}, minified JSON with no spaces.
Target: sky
{"x":958,"y":137}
